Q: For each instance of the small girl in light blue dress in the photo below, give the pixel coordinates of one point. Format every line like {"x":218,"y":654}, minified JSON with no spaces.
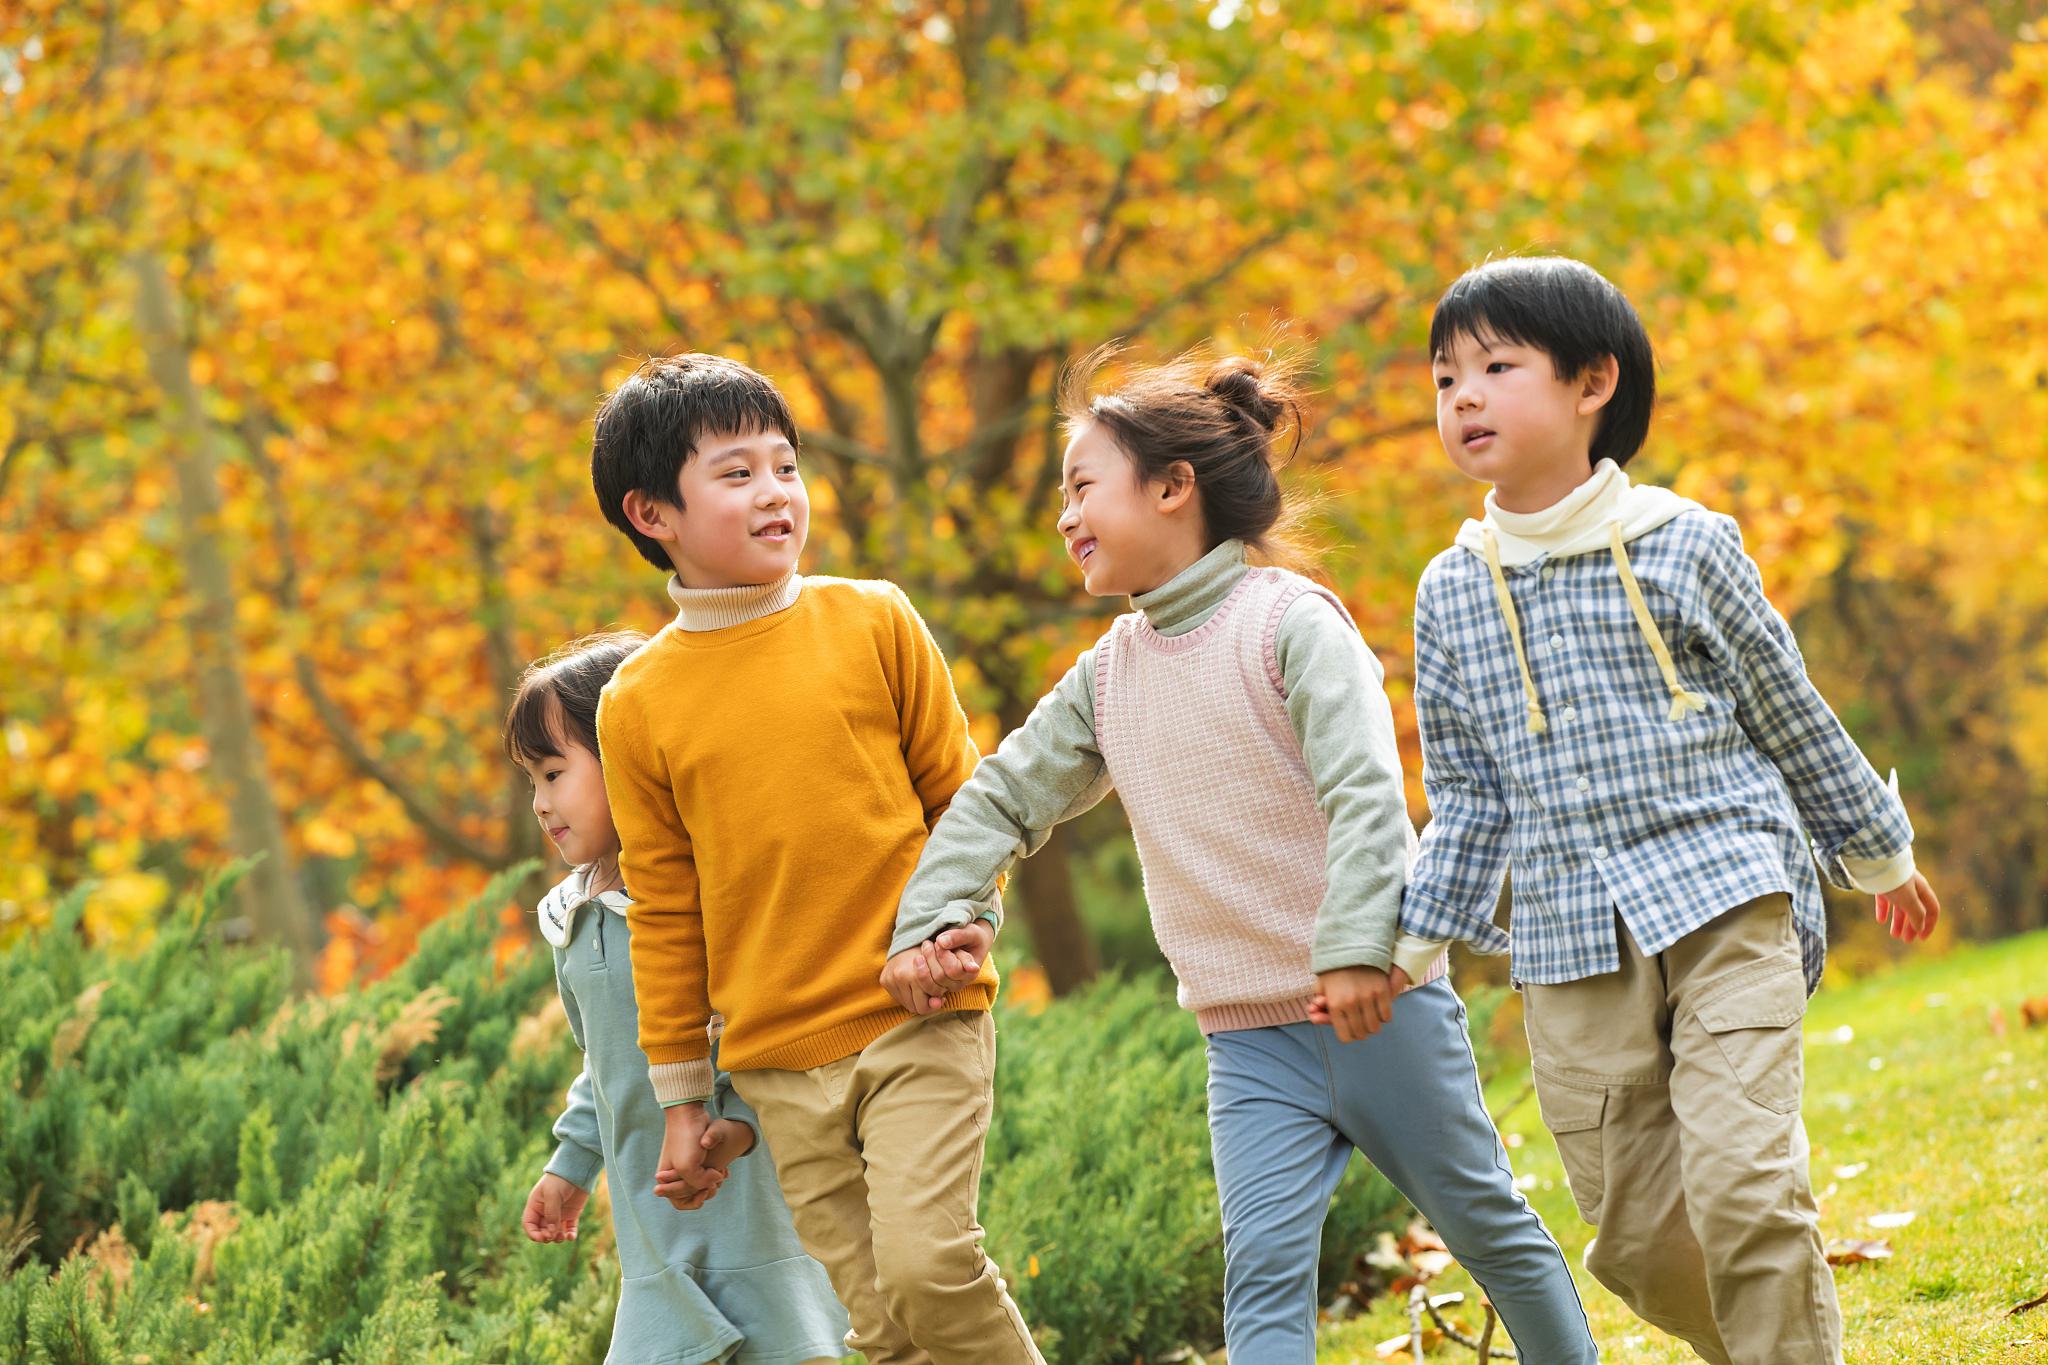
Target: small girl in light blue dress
{"x":730,"y":1285}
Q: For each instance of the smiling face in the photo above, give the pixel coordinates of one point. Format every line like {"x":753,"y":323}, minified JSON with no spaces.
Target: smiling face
{"x":1127,"y":534}
{"x":742,"y":517}
{"x":569,"y":799}
{"x":1506,"y":418}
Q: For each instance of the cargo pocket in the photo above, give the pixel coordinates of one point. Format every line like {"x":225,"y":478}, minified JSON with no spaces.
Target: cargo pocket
{"x":1573,"y":1112}
{"x":1755,"y":1023}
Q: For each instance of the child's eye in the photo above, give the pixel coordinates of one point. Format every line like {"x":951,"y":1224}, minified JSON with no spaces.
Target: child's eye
{"x":1443,"y":381}
{"x":789,"y":468}
{"x":551,"y":776}
{"x":1498,"y":367}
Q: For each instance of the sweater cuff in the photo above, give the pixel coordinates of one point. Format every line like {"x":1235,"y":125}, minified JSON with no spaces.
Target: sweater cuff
{"x":1417,"y":955}
{"x":676,"y":1083}
{"x":1332,"y":959}
{"x":576,"y":1164}
{"x":952,"y":915}
{"x":1875,"y":876}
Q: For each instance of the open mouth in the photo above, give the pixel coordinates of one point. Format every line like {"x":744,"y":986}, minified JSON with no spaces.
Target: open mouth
{"x":775,"y":530}
{"x":1478,"y":437}
{"x":1082,"y":551}
{"x":557,"y":833}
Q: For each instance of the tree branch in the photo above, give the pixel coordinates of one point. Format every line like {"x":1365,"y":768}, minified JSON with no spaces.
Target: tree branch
{"x":257,"y":427}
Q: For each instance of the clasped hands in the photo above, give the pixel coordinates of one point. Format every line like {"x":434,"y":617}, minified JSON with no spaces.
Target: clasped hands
{"x":920,"y":978}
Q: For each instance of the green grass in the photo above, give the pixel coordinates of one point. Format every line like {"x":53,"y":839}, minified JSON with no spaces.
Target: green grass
{"x":1907,"y":1080}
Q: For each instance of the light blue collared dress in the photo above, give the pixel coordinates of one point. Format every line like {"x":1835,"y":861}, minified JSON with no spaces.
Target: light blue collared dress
{"x":728,"y":1282}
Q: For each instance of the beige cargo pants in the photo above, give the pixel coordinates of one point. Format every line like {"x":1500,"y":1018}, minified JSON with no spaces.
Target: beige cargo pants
{"x":879,"y":1155}
{"x":1672,"y":1087}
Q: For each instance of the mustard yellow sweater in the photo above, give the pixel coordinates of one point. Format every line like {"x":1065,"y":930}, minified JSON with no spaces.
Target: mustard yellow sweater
{"x":773,"y":782}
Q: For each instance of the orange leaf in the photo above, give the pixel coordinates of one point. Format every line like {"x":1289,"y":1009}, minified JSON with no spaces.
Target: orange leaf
{"x":1850,"y":1251}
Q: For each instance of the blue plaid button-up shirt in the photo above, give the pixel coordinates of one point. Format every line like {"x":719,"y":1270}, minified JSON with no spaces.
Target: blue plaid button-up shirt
{"x":1617,"y":807}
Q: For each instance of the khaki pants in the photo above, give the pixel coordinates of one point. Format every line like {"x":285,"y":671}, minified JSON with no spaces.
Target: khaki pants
{"x":1672,"y":1087}
{"x":879,"y":1155}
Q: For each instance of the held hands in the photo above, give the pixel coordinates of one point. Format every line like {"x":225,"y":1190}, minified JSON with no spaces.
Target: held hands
{"x":553,"y":1208}
{"x":1911,"y":908}
{"x":919,"y":978}
{"x":687,"y":1177}
{"x":724,"y":1142}
{"x":1356,"y":1001}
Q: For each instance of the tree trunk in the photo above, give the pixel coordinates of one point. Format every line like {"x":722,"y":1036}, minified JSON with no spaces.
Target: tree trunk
{"x":1044,"y":883}
{"x":270,"y":894}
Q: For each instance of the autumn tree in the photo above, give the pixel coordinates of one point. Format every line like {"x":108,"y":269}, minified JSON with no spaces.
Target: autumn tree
{"x":413,"y":246}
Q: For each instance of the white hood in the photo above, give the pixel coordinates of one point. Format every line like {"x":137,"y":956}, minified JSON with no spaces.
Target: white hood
{"x":1578,"y":523}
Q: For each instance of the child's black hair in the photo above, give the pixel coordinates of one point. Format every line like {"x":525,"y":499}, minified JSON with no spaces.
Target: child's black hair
{"x":1571,"y":313}
{"x":556,"y":700}
{"x":649,"y":426}
{"x":1223,"y":416}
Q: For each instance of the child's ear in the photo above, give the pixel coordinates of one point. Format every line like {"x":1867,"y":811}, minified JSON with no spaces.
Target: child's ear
{"x":1597,"y":384}
{"x":651,"y":517}
{"x":1175,"y":486}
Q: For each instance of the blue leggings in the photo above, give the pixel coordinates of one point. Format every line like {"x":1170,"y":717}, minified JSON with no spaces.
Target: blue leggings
{"x":1286,"y":1107}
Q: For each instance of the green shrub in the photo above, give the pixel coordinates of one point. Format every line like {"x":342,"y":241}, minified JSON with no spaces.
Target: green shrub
{"x":196,"y":1165}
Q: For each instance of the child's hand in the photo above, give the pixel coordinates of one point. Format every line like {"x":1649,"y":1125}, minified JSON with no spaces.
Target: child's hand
{"x":726,"y":1141}
{"x":1356,"y":1001}
{"x":954,"y":958}
{"x":553,"y":1208}
{"x":1911,"y":908}
{"x":900,"y":977}
{"x":683,"y":1178}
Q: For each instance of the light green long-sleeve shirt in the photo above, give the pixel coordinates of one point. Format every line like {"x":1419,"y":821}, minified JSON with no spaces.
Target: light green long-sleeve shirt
{"x":1051,"y":769}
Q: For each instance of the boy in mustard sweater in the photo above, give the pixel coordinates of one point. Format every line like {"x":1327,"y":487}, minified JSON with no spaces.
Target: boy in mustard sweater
{"x":774,"y":759}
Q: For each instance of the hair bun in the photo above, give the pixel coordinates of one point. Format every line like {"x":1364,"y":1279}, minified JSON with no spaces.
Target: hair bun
{"x":1236,"y":382}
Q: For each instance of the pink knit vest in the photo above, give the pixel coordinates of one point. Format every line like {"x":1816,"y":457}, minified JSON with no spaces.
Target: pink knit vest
{"x":1195,"y":734}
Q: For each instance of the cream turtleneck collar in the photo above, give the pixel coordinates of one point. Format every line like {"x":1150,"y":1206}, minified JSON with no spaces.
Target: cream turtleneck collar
{"x":701,"y":609}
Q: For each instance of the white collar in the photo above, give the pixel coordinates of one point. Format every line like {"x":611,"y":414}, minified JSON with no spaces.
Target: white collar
{"x":558,"y":909}
{"x":1577,"y":523}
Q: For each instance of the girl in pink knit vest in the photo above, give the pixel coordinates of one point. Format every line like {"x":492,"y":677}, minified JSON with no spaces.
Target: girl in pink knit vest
{"x":1241,"y":719}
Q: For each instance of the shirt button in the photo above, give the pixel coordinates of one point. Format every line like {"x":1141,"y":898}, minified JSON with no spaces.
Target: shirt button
{"x":1568,"y":714}
{"x":1548,"y":573}
{"x":1557,"y":642}
{"x":1600,"y":853}
{"x":1585,"y":784}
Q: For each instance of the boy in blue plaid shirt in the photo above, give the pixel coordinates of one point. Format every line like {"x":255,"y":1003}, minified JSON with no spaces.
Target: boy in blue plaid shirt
{"x":1610,"y":706}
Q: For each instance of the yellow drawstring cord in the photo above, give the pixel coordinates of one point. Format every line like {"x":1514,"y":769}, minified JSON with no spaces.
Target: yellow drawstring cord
{"x":1537,"y":724}
{"x":1682,"y":701}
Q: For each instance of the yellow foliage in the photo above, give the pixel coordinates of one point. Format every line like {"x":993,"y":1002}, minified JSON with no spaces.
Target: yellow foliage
{"x":407,"y":295}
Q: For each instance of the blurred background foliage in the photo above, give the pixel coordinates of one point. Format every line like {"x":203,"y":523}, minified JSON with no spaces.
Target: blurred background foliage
{"x":305,"y":306}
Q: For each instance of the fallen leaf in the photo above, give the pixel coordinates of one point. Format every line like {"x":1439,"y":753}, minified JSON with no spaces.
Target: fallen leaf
{"x":1396,"y":1348}
{"x":1850,"y":1251}
{"x":2035,"y":1011}
{"x":1997,"y":1022}
{"x":1420,"y":1236}
{"x":1430,"y":1264}
{"x":1891,"y":1220}
{"x":1385,"y":1255}
{"x":2029,"y":1305}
